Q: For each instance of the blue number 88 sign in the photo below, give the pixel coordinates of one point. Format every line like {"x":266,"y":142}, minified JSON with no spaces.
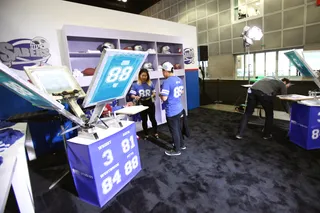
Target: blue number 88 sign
{"x":114,"y":75}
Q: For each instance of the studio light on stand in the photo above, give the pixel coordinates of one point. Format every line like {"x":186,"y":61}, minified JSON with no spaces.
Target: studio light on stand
{"x":249,"y":35}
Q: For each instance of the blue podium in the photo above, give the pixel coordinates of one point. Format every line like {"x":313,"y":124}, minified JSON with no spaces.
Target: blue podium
{"x":305,"y":126}
{"x":101,"y":168}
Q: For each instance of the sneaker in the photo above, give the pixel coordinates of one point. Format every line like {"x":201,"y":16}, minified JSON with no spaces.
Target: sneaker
{"x":146,"y":137}
{"x":239,"y":137}
{"x":267,"y":137}
{"x":172,"y":153}
{"x":156,"y":136}
{"x":182,"y":147}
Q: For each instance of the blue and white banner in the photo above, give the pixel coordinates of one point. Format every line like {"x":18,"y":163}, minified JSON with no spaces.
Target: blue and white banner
{"x":114,"y":75}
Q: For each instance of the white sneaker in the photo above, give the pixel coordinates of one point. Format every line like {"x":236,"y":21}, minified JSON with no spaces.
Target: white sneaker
{"x":238,"y":137}
{"x":172,"y":153}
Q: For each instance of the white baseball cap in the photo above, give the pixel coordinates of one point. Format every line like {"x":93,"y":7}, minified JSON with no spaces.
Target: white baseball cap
{"x":167,"y":66}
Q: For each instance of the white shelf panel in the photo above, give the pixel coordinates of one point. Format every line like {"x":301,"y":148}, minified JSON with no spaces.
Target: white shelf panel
{"x":75,"y":54}
{"x":85,"y":81}
{"x":171,"y":54}
{"x":179,"y":72}
{"x":78,"y":38}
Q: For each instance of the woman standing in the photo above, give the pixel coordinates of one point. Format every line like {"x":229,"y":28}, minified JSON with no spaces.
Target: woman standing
{"x":143,"y":92}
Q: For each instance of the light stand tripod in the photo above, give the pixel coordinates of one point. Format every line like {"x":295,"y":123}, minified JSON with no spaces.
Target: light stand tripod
{"x":249,"y":35}
{"x":218,"y":93}
{"x":247,"y":48}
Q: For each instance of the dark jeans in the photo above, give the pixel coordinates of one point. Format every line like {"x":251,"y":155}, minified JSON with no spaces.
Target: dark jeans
{"x":151,"y":112}
{"x":174,"y":124}
{"x":266,"y":102}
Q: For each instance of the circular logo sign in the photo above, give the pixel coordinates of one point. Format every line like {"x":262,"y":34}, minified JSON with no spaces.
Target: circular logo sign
{"x":188,"y":55}
{"x":24,"y":52}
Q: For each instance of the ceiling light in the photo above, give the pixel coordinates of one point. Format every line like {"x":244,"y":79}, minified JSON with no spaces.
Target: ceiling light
{"x":124,"y":0}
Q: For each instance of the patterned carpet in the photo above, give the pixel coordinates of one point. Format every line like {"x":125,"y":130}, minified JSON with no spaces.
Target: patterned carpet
{"x":214,"y":174}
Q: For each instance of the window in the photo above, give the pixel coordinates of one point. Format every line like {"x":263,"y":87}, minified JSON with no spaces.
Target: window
{"x":285,"y":67}
{"x":283,"y":64}
{"x":244,"y":9}
{"x":313,"y":59}
{"x":271,"y":63}
{"x":240,"y":65}
{"x":249,"y":65}
{"x":260,"y":64}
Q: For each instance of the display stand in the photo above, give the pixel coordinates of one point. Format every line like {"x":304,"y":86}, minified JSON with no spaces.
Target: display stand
{"x":305,"y":126}
{"x":130,"y":110}
{"x":305,"y":121}
{"x":105,"y":86}
{"x":101,"y":168}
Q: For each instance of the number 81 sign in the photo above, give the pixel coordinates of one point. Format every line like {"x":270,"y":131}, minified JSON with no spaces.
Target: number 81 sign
{"x":114,"y":75}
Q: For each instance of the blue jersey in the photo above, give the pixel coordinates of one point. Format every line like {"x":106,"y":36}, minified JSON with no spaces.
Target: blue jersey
{"x":172,"y":88}
{"x":143,"y":90}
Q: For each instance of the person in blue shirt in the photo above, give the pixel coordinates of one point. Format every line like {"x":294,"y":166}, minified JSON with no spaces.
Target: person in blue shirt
{"x":171,"y":91}
{"x":144,"y":92}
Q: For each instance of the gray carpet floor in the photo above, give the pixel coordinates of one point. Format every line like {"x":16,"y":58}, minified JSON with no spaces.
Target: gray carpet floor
{"x":215,"y":174}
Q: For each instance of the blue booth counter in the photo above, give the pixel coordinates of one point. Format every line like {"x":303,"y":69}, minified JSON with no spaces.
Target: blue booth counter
{"x":101,"y":168}
{"x":305,"y":126}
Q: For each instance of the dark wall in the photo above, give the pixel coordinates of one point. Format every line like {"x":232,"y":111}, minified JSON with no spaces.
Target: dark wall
{"x":230,"y":91}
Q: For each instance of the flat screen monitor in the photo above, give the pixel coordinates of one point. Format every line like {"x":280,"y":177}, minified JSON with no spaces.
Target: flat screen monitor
{"x":114,"y":75}
{"x":54,"y":79}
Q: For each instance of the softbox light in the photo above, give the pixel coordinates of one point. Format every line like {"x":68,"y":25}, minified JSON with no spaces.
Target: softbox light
{"x":251,"y":34}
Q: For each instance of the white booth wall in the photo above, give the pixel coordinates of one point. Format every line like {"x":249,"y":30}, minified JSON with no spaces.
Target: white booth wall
{"x":45,"y":18}
{"x":27,"y":19}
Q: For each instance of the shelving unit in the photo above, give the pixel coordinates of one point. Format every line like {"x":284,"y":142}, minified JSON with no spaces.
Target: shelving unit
{"x":81,"y":44}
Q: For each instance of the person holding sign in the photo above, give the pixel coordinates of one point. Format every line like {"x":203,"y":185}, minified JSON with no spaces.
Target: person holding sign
{"x":263,"y":91}
{"x":143,"y":92}
{"x":170,"y":94}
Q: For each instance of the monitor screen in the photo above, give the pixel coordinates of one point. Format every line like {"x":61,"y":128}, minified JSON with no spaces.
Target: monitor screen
{"x":114,"y":75}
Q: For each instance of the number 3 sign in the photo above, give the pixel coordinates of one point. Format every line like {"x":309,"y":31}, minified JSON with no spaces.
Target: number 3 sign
{"x":114,"y":75}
